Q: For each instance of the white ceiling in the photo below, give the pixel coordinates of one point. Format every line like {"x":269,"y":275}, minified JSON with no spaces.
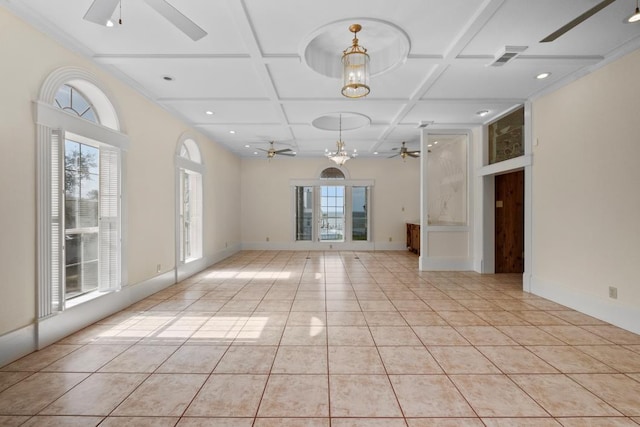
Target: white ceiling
{"x":248,"y":69}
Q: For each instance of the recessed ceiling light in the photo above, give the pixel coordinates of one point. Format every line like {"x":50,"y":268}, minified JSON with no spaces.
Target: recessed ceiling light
{"x":168,"y":78}
{"x":232,"y":131}
{"x":435,"y":142}
{"x":247,"y":146}
{"x":375,"y":152}
{"x":543,"y":75}
{"x":109,"y":23}
{"x":429,"y":145}
{"x":209,"y":113}
{"x":255,"y":152}
{"x":482,"y":113}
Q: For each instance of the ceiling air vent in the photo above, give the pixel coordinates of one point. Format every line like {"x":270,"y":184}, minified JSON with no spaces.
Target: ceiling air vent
{"x":423,"y":124}
{"x":506,"y":55}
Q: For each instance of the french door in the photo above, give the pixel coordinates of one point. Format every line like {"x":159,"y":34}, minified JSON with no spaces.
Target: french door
{"x":331,"y":213}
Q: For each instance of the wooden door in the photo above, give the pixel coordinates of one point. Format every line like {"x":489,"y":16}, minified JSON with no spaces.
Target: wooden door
{"x":510,"y":222}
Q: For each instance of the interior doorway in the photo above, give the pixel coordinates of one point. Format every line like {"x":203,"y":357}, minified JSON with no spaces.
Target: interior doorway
{"x":509,"y":222}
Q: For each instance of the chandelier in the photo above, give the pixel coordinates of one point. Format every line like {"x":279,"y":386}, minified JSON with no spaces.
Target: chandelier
{"x":355,"y":72}
{"x":340,"y":156}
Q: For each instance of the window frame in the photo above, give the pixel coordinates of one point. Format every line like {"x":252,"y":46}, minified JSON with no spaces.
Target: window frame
{"x":188,"y":159}
{"x":54,"y":123}
{"x":316,"y":184}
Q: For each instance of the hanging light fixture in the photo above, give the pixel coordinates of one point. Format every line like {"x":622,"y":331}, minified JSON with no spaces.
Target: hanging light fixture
{"x":355,"y":72}
{"x":636,"y":16}
{"x":341,"y":156}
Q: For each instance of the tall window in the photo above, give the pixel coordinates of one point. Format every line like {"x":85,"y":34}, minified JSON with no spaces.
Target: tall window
{"x":189,"y":169}
{"x":79,"y":194}
{"x":332,"y":209}
{"x":304,"y":213}
{"x":81,"y":198}
{"x":359,"y":213}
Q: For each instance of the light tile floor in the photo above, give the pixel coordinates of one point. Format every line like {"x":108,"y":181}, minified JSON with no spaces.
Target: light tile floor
{"x":342,"y":339}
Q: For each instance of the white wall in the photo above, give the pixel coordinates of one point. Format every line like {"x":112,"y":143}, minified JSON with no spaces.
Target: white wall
{"x":28,"y":57}
{"x":267,"y":198}
{"x":586,"y":199}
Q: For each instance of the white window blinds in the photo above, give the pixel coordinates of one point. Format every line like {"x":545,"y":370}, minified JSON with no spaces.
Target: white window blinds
{"x":109,"y":220}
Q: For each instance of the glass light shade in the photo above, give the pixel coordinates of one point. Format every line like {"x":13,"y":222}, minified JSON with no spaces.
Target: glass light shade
{"x":341,"y":156}
{"x":635,"y":17}
{"x":355,"y":74}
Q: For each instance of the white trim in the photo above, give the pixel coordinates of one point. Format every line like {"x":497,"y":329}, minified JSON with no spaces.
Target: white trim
{"x":506,"y":165}
{"x":306,"y":245}
{"x":54,"y":328}
{"x":331,"y":182}
{"x":447,"y":264}
{"x":17,"y":344}
{"x":55,"y":118}
{"x":182,"y":163}
{"x":611,"y":311}
{"x":190,"y":268}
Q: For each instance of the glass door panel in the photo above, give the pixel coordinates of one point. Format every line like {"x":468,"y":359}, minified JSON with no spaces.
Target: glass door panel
{"x":359,"y":213}
{"x":332,"y":210}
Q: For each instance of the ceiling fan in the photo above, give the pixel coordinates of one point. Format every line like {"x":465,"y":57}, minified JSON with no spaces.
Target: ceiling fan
{"x":272,"y":152}
{"x":404,"y":152}
{"x":575,"y":22}
{"x":101,"y":11}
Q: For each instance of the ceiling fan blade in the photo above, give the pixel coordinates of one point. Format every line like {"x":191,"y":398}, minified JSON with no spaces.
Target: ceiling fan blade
{"x":101,"y":11}
{"x":413,"y":152}
{"x":284,"y":150}
{"x":413,"y":155}
{"x":395,"y":155}
{"x":174,"y":16}
{"x":568,"y":26}
{"x":286,"y":154}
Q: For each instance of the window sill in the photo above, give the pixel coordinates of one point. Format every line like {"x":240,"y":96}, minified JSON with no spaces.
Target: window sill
{"x":84,"y":298}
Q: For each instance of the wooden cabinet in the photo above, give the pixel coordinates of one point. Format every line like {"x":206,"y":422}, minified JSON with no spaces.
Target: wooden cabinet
{"x":413,"y":237}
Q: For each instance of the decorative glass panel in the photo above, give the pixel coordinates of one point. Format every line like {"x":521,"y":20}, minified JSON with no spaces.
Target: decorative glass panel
{"x":447,"y":180}
{"x":70,"y":99}
{"x":506,"y":137}
{"x":332,"y":173}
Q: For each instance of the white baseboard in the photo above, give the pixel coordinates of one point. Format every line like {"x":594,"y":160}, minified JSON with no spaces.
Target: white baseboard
{"x":56,"y":327}
{"x":23,"y":341}
{"x":445,"y":264}
{"x":615,"y":312}
{"x":324,"y":246}
{"x":17,"y":344}
{"x":47,"y":331}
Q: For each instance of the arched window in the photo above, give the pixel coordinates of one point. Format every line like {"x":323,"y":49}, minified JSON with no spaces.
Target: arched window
{"x":189,"y":170}
{"x":79,"y":191}
{"x":332,"y":173}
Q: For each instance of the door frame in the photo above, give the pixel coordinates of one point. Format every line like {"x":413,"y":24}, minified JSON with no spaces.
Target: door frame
{"x":348,"y":243}
{"x":485,"y":225}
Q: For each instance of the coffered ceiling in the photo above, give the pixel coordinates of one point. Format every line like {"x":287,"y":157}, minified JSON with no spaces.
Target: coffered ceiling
{"x":250,"y":69}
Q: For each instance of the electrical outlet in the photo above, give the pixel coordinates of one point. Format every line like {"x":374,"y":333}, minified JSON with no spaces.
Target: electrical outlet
{"x":391,"y":239}
{"x":267,"y":239}
{"x":613,"y":292}
{"x":158,"y":268}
